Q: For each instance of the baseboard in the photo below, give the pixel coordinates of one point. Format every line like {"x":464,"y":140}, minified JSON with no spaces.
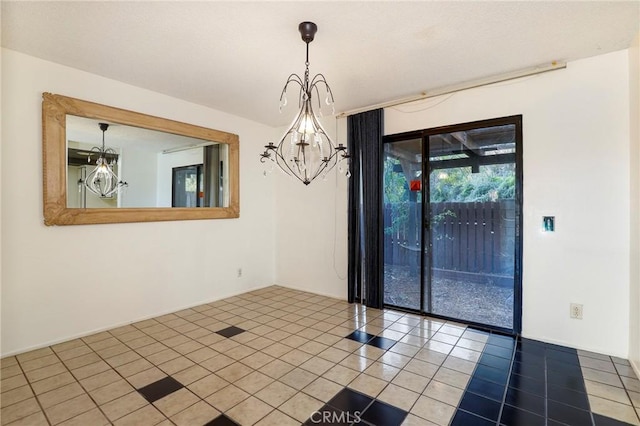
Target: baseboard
{"x":111,"y":327}
{"x":319,"y":293}
{"x":582,"y":348}
{"x":636,"y":367}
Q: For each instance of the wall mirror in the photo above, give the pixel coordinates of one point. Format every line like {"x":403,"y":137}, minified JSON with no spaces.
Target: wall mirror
{"x":108,"y":165}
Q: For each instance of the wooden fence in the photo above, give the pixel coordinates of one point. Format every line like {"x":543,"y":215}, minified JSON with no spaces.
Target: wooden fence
{"x":470,"y":240}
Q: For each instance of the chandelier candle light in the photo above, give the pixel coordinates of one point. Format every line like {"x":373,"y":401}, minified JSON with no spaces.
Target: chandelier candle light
{"x":102,"y":180}
{"x":305,"y":151}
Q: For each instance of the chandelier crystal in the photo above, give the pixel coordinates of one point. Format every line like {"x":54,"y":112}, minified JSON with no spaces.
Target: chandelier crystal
{"x":305,"y":151}
{"x":102,"y":180}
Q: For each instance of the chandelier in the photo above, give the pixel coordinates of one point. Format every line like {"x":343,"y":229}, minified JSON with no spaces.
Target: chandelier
{"x":102,"y":180}
{"x":305,"y":151}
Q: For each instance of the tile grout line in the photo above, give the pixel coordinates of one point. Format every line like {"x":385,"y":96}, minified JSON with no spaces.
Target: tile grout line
{"x":35,"y":396}
{"x":441,"y":365}
{"x":489,"y":334}
{"x":626,"y":390}
{"x":286,"y":318}
{"x":113,"y":369}
{"x":506,"y":386}
{"x":239,"y":360}
{"x":591,"y":413}
{"x":388,"y":350}
{"x":431,"y":379}
{"x":616,"y":373}
{"x":546,"y":388}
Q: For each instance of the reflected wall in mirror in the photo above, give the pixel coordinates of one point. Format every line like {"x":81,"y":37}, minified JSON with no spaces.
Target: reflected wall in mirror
{"x":162,"y":169}
{"x":146,"y":162}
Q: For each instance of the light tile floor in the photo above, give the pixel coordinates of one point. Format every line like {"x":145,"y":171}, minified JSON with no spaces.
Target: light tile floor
{"x":276,"y":356}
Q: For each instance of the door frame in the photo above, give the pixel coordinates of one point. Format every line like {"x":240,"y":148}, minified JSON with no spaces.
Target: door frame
{"x":424,"y":135}
{"x":199,"y":171}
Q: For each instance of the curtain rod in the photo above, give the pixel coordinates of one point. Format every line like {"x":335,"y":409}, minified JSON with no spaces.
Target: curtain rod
{"x":184,"y":148}
{"x":555,"y":65}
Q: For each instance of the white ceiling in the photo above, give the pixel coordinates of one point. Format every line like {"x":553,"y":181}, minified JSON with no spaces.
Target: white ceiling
{"x":235,"y":56}
{"x":87,"y":131}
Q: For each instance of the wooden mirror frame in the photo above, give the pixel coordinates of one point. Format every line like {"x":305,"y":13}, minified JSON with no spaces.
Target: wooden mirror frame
{"x":54,"y":159}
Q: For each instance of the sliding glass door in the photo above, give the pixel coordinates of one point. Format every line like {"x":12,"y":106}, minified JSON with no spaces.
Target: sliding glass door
{"x":452,"y":218}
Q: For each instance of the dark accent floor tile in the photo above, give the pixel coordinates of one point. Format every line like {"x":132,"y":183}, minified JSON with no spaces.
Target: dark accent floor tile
{"x":569,"y":397}
{"x":563,"y":367}
{"x":480,"y":406}
{"x":568,"y":415}
{"x":525,"y":401}
{"x":561,"y":348}
{"x":495,"y":361}
{"x":380,"y":413}
{"x":498,"y":351}
{"x":504,"y":341}
{"x":462,"y":418}
{"x":571,"y":358}
{"x":360,"y":336}
{"x":512,"y":416}
{"x":328,"y":415}
{"x":608,"y":421}
{"x":230,"y":331}
{"x":531,"y":347}
{"x":160,"y":389}
{"x":222,"y":420}
{"x":535,"y":371}
{"x":487,"y":389}
{"x":491,"y":374}
{"x":569,"y":380}
{"x":527,"y":384}
{"x":529,"y":358}
{"x":382,"y":342}
{"x":537,"y":354}
{"x":350,"y":401}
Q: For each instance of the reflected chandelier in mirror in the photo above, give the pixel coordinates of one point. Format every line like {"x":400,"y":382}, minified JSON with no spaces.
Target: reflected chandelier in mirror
{"x":103,"y":180}
{"x":174,"y":170}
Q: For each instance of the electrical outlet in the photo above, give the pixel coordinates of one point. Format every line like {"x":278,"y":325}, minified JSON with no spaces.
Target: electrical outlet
{"x":239,"y":272}
{"x":575,"y":311}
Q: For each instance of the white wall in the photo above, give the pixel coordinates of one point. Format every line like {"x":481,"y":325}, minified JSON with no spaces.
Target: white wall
{"x":138,"y":168}
{"x":634,"y":157}
{"x":576,"y":167}
{"x":311,"y":223}
{"x":50,"y":296}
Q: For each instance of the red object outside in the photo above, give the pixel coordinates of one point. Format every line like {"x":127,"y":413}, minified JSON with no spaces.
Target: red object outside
{"x":415,"y":185}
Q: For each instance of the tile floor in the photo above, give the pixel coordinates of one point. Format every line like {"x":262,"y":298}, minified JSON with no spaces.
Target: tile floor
{"x":283,"y":357}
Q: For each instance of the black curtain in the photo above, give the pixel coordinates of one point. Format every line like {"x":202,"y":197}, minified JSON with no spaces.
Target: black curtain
{"x":366,"y":261}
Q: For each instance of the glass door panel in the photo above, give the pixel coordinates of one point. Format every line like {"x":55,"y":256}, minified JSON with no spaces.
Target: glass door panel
{"x":472,"y":221}
{"x":402,"y":212}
